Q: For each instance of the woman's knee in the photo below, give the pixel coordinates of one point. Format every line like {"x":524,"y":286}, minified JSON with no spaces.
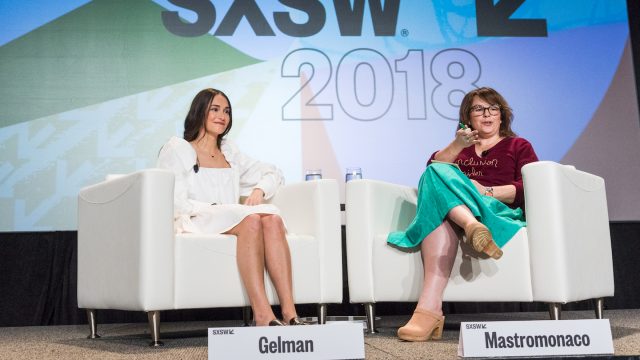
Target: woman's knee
{"x":252,"y":222}
{"x":272,"y":221}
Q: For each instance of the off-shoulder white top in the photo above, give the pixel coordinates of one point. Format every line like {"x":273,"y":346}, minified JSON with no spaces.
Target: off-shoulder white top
{"x":207,"y":201}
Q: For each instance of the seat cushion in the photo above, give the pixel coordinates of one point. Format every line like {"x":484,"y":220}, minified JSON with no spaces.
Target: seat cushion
{"x":398,"y":274}
{"x":204,"y":264}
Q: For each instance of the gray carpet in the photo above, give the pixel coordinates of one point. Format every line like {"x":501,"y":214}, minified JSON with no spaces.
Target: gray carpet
{"x":189,"y":340}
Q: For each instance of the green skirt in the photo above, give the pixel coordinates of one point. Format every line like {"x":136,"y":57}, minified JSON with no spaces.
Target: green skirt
{"x":443,"y":187}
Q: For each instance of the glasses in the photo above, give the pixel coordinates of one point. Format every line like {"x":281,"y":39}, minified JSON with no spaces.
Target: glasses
{"x":479,"y":110}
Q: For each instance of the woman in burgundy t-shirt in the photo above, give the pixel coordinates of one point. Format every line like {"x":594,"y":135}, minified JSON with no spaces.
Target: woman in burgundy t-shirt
{"x":475,"y":184}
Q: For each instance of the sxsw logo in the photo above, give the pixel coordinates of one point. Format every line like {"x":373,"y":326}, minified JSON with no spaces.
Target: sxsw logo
{"x":350,"y":16}
{"x":493,"y":18}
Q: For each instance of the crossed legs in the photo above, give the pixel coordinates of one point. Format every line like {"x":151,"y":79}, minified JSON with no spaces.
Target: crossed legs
{"x":438,"y":251}
{"x":262,"y":245}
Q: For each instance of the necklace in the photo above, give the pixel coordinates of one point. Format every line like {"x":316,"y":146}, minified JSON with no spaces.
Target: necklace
{"x":206,"y":151}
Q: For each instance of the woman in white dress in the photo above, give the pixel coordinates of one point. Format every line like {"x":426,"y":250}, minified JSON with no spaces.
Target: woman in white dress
{"x":210,"y":176}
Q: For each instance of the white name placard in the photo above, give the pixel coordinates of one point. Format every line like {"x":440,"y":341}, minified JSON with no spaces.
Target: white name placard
{"x":331,"y":341}
{"x":535,"y":338}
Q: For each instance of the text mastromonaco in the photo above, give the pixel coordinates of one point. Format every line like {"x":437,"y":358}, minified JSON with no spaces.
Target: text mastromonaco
{"x":492,"y":340}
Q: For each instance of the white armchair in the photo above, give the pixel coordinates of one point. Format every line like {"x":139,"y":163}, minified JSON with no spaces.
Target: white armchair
{"x":563,"y":255}
{"x":130,"y":259}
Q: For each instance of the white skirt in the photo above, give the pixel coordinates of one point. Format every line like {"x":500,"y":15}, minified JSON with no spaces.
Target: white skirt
{"x":218,"y":219}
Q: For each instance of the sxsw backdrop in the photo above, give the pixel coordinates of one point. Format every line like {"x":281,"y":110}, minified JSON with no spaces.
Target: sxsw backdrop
{"x":89,"y":88}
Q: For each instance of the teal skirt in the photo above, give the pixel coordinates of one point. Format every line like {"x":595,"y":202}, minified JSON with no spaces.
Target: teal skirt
{"x":443,"y":187}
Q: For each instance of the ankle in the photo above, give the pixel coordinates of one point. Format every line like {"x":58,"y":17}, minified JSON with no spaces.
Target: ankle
{"x":436,"y":310}
{"x":287,"y":316}
{"x":263,"y":319}
{"x":469,"y":223}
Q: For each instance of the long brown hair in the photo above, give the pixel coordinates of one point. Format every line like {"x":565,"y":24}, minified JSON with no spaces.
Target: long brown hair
{"x":494,"y":98}
{"x":197,"y":115}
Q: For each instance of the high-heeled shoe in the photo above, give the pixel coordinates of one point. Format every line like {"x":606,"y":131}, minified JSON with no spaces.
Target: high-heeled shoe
{"x":424,"y":325}
{"x":277,"y":322}
{"x":297,"y":321}
{"x":479,"y":236}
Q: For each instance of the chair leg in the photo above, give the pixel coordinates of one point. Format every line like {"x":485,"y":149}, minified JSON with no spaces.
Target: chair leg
{"x":370,"y":311}
{"x":246,"y":316}
{"x":93,"y":326}
{"x":154,"y":327}
{"x":599,"y":307}
{"x":322,"y":314}
{"x":555,"y":311}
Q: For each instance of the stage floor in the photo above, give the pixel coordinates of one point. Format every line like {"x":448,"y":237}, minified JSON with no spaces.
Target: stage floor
{"x":188,"y":340}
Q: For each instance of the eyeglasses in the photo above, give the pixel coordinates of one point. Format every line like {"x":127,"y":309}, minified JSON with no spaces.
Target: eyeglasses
{"x":479,"y":110}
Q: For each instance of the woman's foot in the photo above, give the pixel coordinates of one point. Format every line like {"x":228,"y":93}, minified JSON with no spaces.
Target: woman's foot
{"x":424,"y":325}
{"x":479,"y":236}
{"x":297,"y":321}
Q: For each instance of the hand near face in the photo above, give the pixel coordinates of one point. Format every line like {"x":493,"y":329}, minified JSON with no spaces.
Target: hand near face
{"x":467,"y":137}
{"x":255,"y":198}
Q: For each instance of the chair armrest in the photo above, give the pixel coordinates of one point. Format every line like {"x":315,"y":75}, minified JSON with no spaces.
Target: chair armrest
{"x":126,"y":242}
{"x":568,"y":227}
{"x":313,"y":208}
{"x":372,"y":208}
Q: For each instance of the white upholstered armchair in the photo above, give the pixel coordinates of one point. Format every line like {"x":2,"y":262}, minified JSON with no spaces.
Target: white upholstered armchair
{"x":130,"y":259}
{"x":563,"y":255}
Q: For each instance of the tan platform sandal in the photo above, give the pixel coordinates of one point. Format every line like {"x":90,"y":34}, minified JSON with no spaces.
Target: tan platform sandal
{"x":424,"y":325}
{"x":479,"y":236}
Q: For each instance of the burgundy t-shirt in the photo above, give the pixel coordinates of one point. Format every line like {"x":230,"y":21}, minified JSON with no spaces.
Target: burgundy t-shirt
{"x":499,"y":165}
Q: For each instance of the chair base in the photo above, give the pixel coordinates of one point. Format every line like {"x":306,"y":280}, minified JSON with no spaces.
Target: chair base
{"x":93,"y":326}
{"x":555,"y":309}
{"x":154,"y":327}
{"x":322,"y":314}
{"x":599,"y":302}
{"x":370,"y":311}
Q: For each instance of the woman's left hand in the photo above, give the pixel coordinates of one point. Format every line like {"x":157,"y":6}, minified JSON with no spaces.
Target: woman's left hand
{"x":504,"y":193}
{"x":255,"y":198}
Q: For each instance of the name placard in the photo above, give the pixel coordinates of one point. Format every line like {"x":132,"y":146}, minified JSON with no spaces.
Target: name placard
{"x":330,"y":341}
{"x":535,"y":338}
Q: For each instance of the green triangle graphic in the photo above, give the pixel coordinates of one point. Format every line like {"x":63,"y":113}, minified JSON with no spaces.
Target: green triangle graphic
{"x":104,"y":50}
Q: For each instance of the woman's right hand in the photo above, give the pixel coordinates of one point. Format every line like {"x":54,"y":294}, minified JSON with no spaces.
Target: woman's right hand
{"x":466,"y":137}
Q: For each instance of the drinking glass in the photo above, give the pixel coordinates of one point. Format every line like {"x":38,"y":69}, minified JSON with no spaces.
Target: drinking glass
{"x":313,"y":174}
{"x":353,"y":173}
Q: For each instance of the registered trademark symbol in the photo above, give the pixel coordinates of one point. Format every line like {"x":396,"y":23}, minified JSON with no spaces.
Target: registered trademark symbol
{"x":404,"y":32}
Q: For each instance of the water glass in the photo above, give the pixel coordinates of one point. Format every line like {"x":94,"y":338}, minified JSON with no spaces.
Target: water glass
{"x":313,"y":174}
{"x":353,"y":173}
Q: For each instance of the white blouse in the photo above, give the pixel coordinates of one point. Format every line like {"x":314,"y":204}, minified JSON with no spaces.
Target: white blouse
{"x":207,"y":201}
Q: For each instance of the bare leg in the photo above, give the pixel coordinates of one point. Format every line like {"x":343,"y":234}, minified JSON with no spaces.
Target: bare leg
{"x":477,"y":234}
{"x":278,"y":262}
{"x":250,"y":254}
{"x":439,"y":250}
{"x":461,"y":216}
